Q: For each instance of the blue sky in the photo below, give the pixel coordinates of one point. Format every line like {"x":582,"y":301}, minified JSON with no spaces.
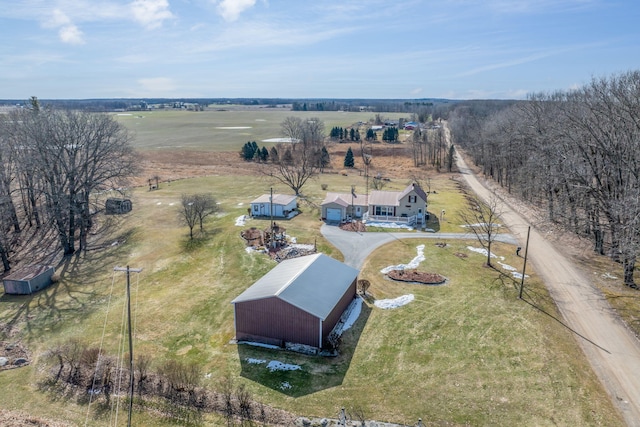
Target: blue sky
{"x":457,"y":49}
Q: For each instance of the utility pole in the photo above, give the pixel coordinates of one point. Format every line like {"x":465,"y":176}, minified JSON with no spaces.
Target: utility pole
{"x":524,"y":267}
{"x":131,"y":376}
{"x":272,"y":242}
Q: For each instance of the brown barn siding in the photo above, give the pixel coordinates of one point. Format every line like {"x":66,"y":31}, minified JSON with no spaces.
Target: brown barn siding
{"x":275,"y":319}
{"x":333,"y":317}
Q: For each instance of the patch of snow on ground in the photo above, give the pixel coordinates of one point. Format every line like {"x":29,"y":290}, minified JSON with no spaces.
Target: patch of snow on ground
{"x":280,"y":140}
{"x":353,"y":312}
{"x":240,"y":204}
{"x":482,"y":251}
{"x":412,"y":264}
{"x":253,"y":361}
{"x":259,"y":344}
{"x":250,"y":250}
{"x":285,"y":385}
{"x":387,"y":304}
{"x":159,"y":203}
{"x":609,"y":276}
{"x":507,"y":267}
{"x":240,"y":221}
{"x":518,"y":275}
{"x":274,"y":365}
{"x":396,"y":225}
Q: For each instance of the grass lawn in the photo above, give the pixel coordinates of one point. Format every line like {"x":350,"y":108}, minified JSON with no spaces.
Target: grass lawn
{"x":467,"y":352}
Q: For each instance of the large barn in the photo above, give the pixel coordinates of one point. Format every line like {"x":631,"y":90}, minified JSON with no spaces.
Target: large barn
{"x":299,"y":301}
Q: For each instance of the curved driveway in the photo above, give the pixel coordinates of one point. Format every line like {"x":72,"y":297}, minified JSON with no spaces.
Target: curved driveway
{"x":356,"y":247}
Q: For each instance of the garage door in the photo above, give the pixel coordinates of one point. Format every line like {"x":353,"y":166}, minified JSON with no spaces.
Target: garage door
{"x":334,"y":215}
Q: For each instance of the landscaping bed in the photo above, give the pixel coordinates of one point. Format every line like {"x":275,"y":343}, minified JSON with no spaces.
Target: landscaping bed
{"x":416,"y":276}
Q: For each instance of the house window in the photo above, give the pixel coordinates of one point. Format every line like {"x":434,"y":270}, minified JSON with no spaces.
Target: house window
{"x":384,"y":210}
{"x":413,"y":199}
{"x":255,"y":208}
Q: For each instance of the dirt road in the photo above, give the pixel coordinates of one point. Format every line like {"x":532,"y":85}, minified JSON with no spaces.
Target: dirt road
{"x":613,"y":351}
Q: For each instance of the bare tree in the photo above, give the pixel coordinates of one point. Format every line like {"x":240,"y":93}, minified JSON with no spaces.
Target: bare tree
{"x":75,"y":156}
{"x":189,"y":212}
{"x":294,"y":167}
{"x":205,"y":205}
{"x":482,"y":219}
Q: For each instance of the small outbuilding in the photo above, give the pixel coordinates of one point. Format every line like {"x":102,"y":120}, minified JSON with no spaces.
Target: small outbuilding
{"x":281,"y":206}
{"x":28,"y":280}
{"x":298,"y":301}
{"x":118,"y":206}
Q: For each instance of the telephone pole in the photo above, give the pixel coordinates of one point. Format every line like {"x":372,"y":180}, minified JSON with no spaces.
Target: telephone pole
{"x":131,"y":376}
{"x":524,"y":267}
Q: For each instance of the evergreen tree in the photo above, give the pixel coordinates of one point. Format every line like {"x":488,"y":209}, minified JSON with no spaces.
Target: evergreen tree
{"x":247,"y":152}
{"x":264,"y":154}
{"x":352,"y":134}
{"x":325,"y":159}
{"x":273,"y":154}
{"x":348,"y":159}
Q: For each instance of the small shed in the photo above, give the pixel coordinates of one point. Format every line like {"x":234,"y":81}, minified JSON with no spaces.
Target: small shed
{"x":284,"y":206}
{"x":298,"y":301}
{"x":28,"y":279}
{"x":118,"y":206}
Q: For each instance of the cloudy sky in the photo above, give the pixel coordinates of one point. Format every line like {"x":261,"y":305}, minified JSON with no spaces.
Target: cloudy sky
{"x":458,"y":49}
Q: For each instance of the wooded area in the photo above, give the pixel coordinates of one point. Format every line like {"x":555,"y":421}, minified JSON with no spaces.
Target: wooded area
{"x":56,"y":168}
{"x":576,"y":153}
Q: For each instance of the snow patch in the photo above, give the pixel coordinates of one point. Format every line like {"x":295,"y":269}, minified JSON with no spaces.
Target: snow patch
{"x":387,"y":304}
{"x":609,"y":276}
{"x":518,"y":275}
{"x":275,"y":365}
{"x":241,"y":220}
{"x":411,"y":265}
{"x":482,"y":251}
{"x":480,"y":224}
{"x":253,"y":361}
{"x":395,"y":225}
{"x":352,"y":313}
{"x":285,"y":385}
{"x":281,"y":140}
{"x":507,"y":267}
{"x":259,"y":344}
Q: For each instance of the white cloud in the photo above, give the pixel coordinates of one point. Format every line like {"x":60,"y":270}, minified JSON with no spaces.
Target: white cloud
{"x":230,"y":10}
{"x":151,"y":13}
{"x":67,"y":30}
{"x":71,"y":34}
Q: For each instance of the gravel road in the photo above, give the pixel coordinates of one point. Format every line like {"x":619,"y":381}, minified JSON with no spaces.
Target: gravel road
{"x":614,"y":351}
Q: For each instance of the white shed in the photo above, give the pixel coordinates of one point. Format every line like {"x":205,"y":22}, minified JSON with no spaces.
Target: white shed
{"x":284,"y":206}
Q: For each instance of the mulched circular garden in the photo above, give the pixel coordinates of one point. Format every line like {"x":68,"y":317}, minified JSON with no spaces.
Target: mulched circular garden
{"x":415,"y":276}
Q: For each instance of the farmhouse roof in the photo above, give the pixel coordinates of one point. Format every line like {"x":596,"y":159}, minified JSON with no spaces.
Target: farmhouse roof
{"x":392,"y":198}
{"x":344,"y":199}
{"x":278,"y":199}
{"x":312,"y":283}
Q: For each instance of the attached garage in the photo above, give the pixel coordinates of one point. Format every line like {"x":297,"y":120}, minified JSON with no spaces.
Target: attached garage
{"x":299,"y":301}
{"x":334,"y":214}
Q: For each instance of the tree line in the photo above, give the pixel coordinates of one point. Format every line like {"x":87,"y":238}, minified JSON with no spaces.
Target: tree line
{"x":56,"y":168}
{"x":576,"y":153}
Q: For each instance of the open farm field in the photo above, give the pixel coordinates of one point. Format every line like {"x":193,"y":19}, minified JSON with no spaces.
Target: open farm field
{"x":223,"y":130}
{"x":464,"y":353}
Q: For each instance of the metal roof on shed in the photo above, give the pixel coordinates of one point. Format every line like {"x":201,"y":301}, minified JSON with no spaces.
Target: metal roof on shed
{"x":313,"y":283}
{"x":27,"y":272}
{"x":278,"y":199}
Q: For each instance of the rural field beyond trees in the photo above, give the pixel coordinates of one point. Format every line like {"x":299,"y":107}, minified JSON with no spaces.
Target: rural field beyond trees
{"x":468,"y":352}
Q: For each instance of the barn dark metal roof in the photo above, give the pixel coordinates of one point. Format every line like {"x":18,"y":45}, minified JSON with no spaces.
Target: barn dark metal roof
{"x":313,"y":283}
